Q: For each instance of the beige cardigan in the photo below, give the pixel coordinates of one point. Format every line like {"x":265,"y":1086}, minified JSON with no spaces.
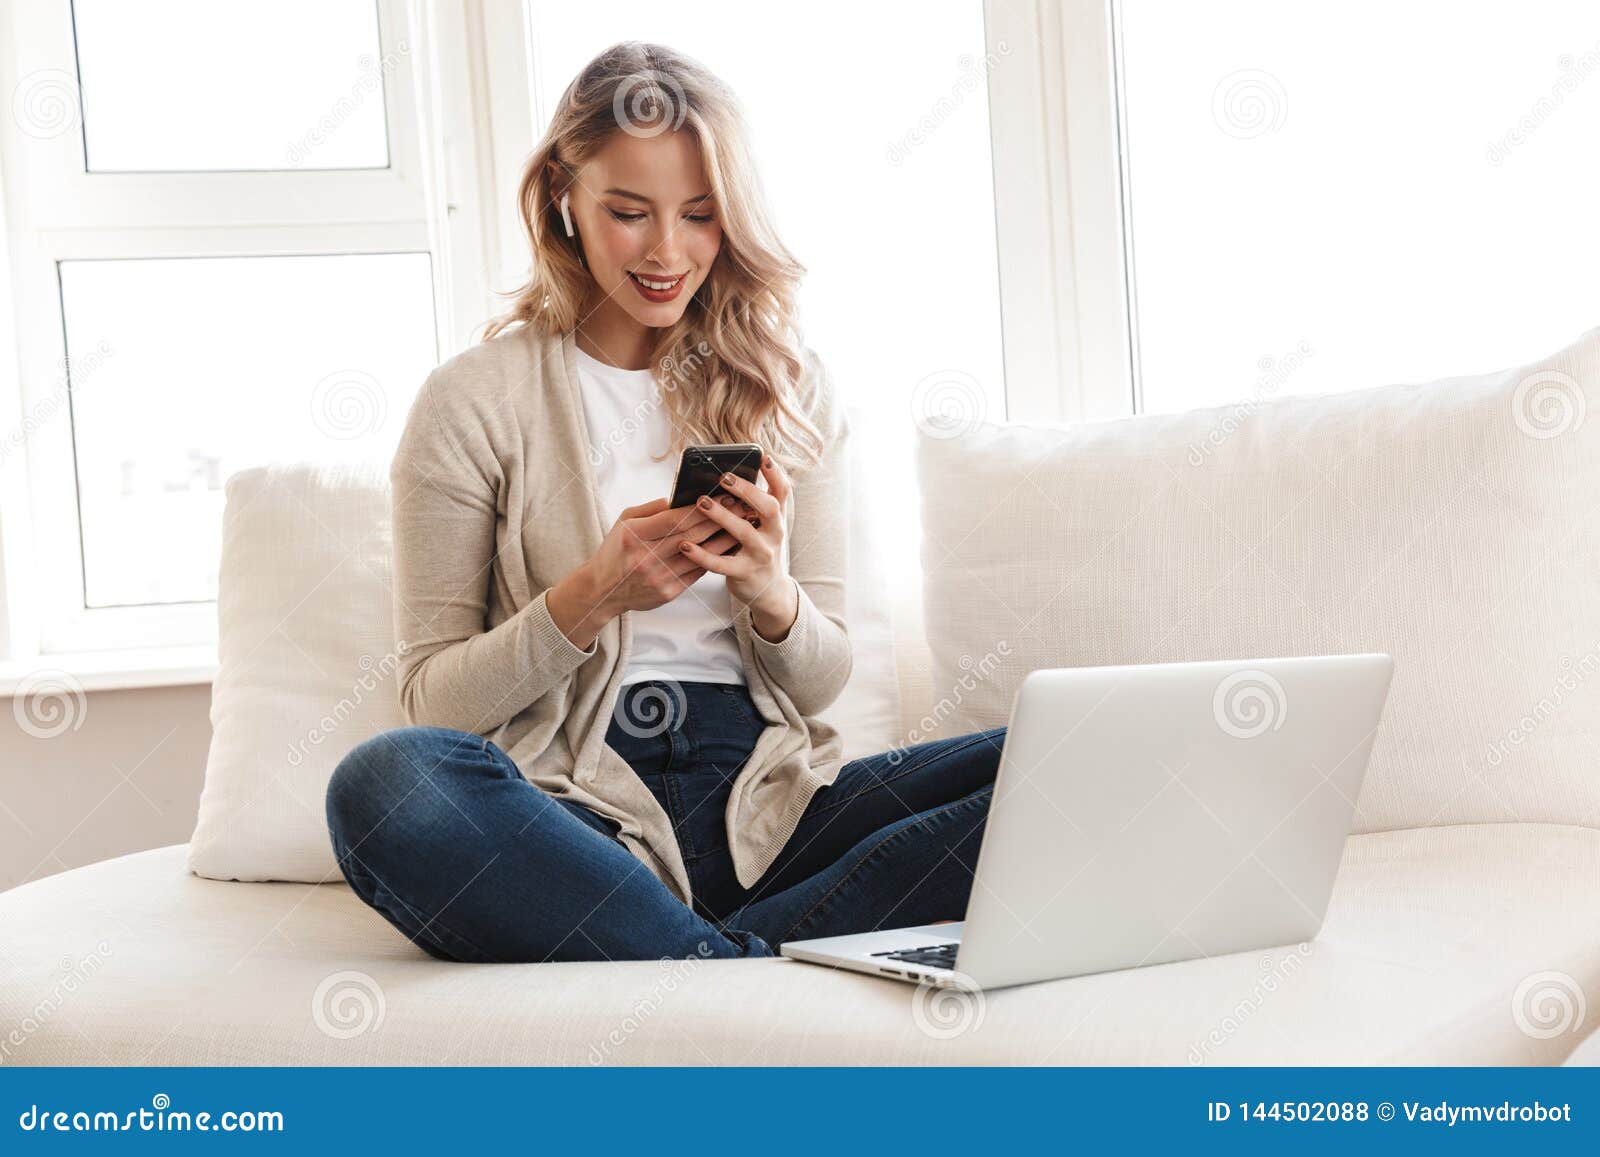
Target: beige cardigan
{"x":494,"y":501}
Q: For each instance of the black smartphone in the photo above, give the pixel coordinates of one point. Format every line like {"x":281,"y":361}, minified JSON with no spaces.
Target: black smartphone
{"x":701,"y":468}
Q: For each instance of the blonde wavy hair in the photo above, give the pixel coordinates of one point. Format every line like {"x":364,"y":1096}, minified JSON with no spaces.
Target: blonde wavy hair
{"x":732,"y":366}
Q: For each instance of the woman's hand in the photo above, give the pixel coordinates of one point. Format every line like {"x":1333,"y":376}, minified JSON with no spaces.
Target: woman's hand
{"x":755,"y":574}
{"x":637,"y":567}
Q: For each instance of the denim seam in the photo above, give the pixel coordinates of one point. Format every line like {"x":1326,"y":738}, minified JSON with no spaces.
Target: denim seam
{"x":674,"y":810}
{"x":817,"y":908}
{"x":929,"y":758}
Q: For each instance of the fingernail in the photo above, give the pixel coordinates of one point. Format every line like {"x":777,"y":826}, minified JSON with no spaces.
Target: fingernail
{"x":705,"y":502}
{"x":768,"y":462}
{"x":727,"y":479}
{"x":684,"y":546}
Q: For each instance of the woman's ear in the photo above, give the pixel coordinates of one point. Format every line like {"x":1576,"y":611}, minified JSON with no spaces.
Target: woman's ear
{"x":561,"y":186}
{"x":564,"y":203}
{"x":561,"y":192}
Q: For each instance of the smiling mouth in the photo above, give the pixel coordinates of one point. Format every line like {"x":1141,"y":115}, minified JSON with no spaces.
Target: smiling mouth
{"x":658,"y":284}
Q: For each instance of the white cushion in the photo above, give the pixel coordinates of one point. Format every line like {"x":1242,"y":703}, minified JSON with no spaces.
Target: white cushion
{"x":307,"y":665}
{"x":1452,"y":524}
{"x":1588,"y":1053}
{"x":1450,"y":945}
{"x":867,"y":713}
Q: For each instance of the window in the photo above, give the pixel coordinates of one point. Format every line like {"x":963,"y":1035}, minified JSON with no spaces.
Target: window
{"x":330,"y":185}
{"x":871,"y":128}
{"x":190,"y":369}
{"x":279,"y":90}
{"x":1329,"y":199}
{"x":217,"y":220}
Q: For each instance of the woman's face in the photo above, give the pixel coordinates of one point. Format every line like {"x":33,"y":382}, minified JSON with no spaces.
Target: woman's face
{"x":649,"y":230}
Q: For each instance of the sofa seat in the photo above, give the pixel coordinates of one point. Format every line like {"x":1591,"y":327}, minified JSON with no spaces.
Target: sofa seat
{"x":1431,"y":935}
{"x":1588,"y":1053}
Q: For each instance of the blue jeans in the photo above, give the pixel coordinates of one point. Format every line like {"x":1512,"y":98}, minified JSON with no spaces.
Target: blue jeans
{"x":438,"y":830}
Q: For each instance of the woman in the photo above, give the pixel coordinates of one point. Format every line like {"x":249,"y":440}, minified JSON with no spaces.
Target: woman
{"x":628,"y":763}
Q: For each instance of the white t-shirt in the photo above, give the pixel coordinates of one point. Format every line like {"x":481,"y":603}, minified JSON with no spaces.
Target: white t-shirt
{"x":689,"y":639}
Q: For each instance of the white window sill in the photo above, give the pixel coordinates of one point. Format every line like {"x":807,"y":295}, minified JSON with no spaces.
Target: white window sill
{"x":114,"y":670}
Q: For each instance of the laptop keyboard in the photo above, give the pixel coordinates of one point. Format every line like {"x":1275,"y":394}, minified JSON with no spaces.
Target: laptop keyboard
{"x":934,"y":955}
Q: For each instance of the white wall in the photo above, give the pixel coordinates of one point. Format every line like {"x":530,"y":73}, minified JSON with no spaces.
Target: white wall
{"x":126,"y":779}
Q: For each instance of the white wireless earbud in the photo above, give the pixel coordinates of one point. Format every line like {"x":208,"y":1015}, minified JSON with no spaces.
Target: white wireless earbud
{"x":566,"y":212}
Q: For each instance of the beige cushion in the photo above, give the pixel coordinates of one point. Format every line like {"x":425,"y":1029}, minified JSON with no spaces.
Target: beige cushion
{"x":1452,"y":524}
{"x":307,"y":666}
{"x":1448,"y":945}
{"x":867,"y":715}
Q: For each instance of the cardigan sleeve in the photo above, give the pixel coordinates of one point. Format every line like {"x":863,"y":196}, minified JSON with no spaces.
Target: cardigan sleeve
{"x":812,"y":662}
{"x":444,"y":482}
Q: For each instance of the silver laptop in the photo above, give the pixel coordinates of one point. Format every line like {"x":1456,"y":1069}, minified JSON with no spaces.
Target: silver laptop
{"x":1147,"y":814}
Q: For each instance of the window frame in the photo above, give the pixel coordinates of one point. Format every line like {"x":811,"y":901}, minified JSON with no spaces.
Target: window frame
{"x":1066,"y":304}
{"x":1066,"y":309}
{"x":56,"y":211}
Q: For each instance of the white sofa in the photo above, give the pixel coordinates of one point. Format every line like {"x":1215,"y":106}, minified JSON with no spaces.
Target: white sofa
{"x":1464,"y":928}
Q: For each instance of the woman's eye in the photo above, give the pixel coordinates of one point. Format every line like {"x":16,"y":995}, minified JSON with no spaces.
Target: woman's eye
{"x":697,"y":218}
